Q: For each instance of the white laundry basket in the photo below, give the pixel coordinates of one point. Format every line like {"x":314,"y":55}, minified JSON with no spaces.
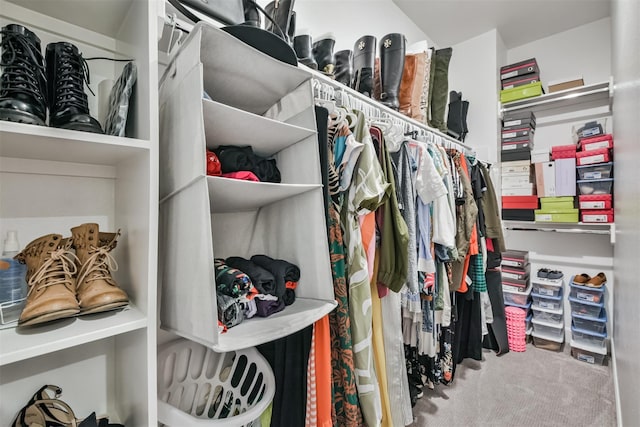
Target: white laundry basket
{"x":199,"y":387}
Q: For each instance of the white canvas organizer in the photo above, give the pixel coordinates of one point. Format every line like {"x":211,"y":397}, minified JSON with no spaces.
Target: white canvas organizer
{"x":257,"y":101}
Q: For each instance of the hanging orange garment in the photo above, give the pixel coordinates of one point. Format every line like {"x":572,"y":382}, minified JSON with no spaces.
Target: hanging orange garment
{"x":323,"y":372}
{"x":311,"y":415}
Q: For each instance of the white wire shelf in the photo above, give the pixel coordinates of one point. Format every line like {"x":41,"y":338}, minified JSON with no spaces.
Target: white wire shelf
{"x":559,"y":227}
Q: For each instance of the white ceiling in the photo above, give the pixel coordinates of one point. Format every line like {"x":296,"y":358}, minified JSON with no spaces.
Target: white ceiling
{"x":448,"y":22}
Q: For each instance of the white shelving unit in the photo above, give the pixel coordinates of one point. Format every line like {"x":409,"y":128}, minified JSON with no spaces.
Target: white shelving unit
{"x":256,"y":101}
{"x":54,"y":179}
{"x":558,"y":227}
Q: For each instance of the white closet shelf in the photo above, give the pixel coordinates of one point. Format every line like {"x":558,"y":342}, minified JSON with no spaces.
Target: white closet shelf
{"x":258,"y":330}
{"x":236,"y":195}
{"x":25,"y":141}
{"x":559,"y":227}
{"x":225,"y":125}
{"x":24,"y":343}
{"x":579,"y":98}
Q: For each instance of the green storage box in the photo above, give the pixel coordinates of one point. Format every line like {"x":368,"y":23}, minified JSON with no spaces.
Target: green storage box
{"x":554,"y":204}
{"x":521,"y":92}
{"x":568,"y":215}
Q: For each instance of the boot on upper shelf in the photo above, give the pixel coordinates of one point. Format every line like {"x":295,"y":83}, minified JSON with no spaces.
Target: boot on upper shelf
{"x":364,"y":56}
{"x":344,"y":67}
{"x":392,"y":51}
{"x":67,"y":72}
{"x":97,"y":291}
{"x":323,"y":53}
{"x":303,"y":48}
{"x":23,"y":84}
{"x":50,"y":278}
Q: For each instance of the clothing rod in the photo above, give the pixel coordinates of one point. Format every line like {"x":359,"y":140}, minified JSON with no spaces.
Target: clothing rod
{"x":383,"y":108}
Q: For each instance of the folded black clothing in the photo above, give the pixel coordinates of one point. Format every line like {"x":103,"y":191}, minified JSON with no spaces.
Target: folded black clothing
{"x":230,"y":312}
{"x":263,"y":281}
{"x":267,"y":307}
{"x":266,"y":170}
{"x":230,"y":281}
{"x":234,"y":159}
{"x":289,"y":297}
{"x":282,"y":271}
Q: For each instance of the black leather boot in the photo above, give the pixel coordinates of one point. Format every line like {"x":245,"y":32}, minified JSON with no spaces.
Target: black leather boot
{"x":344,"y":67}
{"x":251,"y":14}
{"x":364,"y":58}
{"x":323,"y":53}
{"x":392,"y":51}
{"x":67,"y":72}
{"x":302,"y":46}
{"x":23,"y":84}
{"x":280,"y":11}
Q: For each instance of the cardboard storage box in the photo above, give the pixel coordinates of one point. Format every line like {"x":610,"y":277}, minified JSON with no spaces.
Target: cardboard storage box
{"x":570,"y":215}
{"x":517,"y":154}
{"x":520,"y":80}
{"x":528,"y":66}
{"x":520,"y":202}
{"x":546,"y":179}
{"x":556,"y":204}
{"x":565,"y":177}
{"x":558,"y":85}
{"x":540,"y":156}
{"x":594,"y":201}
{"x":519,"y":118}
{"x":518,"y":214}
{"x":517,"y":167}
{"x":516,"y":132}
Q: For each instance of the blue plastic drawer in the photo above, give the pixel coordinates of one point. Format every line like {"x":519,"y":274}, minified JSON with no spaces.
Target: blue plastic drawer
{"x":586,"y":308}
{"x":547,"y":301}
{"x":586,"y":293}
{"x":588,"y":338}
{"x":592,"y":324}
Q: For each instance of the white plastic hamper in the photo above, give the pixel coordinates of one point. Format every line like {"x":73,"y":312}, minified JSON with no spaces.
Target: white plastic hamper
{"x":199,"y":387}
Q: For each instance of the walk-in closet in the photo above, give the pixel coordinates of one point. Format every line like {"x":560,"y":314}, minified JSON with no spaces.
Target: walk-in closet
{"x":319,"y":213}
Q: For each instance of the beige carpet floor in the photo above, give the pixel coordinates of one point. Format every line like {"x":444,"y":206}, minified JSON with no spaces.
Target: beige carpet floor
{"x":537,"y":388}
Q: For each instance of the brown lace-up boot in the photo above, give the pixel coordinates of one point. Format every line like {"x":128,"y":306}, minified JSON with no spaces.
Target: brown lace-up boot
{"x":50,"y":276}
{"x":97,"y":291}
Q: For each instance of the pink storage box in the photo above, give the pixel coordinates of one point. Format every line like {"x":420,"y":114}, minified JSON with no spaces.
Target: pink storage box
{"x":563,"y":152}
{"x":596,"y":201}
{"x":596,"y":142}
{"x":601,"y":155}
{"x":597,"y":216}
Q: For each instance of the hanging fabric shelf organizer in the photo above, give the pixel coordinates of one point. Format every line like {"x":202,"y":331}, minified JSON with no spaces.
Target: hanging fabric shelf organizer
{"x":258,"y":101}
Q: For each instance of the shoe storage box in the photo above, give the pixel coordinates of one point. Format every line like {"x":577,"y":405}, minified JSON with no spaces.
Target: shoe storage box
{"x":528,"y":66}
{"x":592,"y":324}
{"x":514,"y":297}
{"x":520,"y":80}
{"x":589,"y":338}
{"x":520,"y":286}
{"x":516,"y":167}
{"x":597,"y":216}
{"x":516,"y":273}
{"x":540,"y":156}
{"x":546,"y":301}
{"x":568,"y":216}
{"x":515,"y":258}
{"x":596,"y":142}
{"x":595,"y":201}
{"x":590,"y":129}
{"x":586,"y":308}
{"x":563,"y":152}
{"x":520,"y":190}
{"x":517,"y":144}
{"x":516,"y":132}
{"x":547,"y":314}
{"x":595,"y":186}
{"x":598,"y":171}
{"x":546,"y":179}
{"x":600,"y":155}
{"x":518,"y":214}
{"x":590,"y":354}
{"x":547,"y":287}
{"x":521,"y":92}
{"x":520,"y":202}
{"x":555,"y":204}
{"x":558,"y":85}
{"x":515,"y":155}
{"x":565,"y":175}
{"x":549,"y":329}
{"x":586,"y":293}
{"x":519,"y":118}
{"x":548,"y":342}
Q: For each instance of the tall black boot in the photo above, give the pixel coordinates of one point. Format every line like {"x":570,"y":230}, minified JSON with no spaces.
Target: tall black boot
{"x":392,"y":50}
{"x":364,"y":58}
{"x":251,"y":14}
{"x":67,"y":72}
{"x":280,"y":11}
{"x":23,"y":84}
{"x":302,"y":46}
{"x":344,"y":67}
{"x":455,"y":127}
{"x":323,"y":53}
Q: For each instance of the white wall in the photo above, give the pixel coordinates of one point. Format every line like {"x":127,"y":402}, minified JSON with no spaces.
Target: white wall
{"x":350,"y":20}
{"x":626,"y":109}
{"x":472,"y":71}
{"x":585,"y":50}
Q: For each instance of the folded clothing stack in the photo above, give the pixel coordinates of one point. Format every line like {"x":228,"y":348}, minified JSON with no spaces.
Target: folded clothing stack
{"x":260,"y":286}
{"x":237,"y":162}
